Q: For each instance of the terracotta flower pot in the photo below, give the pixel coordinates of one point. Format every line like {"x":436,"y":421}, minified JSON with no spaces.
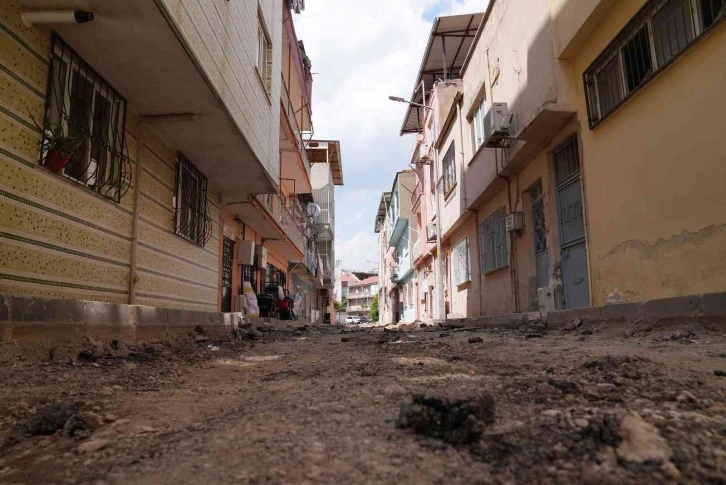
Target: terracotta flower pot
{"x":56,"y":160}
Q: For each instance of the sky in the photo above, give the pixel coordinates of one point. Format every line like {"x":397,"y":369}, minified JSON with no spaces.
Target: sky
{"x":362,"y":52}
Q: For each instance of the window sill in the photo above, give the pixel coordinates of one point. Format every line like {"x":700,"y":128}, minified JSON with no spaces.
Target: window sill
{"x":262,"y":85}
{"x":492,"y":271}
{"x":450,"y":193}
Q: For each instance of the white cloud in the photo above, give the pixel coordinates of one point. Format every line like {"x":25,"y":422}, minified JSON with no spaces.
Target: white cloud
{"x":359,"y":252}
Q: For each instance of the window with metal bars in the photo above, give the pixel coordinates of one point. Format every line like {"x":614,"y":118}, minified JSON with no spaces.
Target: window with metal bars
{"x":191,"y":218}
{"x":448,"y":171}
{"x":460,"y":255}
{"x":493,"y":242}
{"x":84,"y":126}
{"x":655,"y":37}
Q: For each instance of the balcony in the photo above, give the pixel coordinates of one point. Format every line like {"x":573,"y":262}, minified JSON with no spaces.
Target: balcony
{"x":271,"y":217}
{"x":360,"y":294}
{"x":327,"y":271}
{"x":173,"y":77}
{"x":294,"y":163}
{"x":417,"y":193}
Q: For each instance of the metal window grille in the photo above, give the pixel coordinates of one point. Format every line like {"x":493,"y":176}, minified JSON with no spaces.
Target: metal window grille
{"x":660,"y":32}
{"x":448,"y":171}
{"x":493,"y":242}
{"x":275,"y":275}
{"x":83,"y":137}
{"x":538,"y":216}
{"x":191,"y":218}
{"x":462,"y":272}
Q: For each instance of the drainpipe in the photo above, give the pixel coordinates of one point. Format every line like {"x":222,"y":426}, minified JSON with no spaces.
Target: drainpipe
{"x":133,"y":277}
{"x":145,"y":120}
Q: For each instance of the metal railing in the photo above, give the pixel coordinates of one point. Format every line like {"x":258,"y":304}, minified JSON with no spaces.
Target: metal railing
{"x":276,"y":207}
{"x":290,"y":112}
{"x":327,"y":270}
{"x":361,"y":294}
{"x":417,"y":192}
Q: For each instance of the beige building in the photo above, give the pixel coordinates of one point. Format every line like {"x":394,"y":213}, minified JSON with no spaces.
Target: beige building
{"x":567,"y":157}
{"x":170,"y":131}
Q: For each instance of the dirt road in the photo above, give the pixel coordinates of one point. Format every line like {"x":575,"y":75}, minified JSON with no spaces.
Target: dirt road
{"x":611,"y":404}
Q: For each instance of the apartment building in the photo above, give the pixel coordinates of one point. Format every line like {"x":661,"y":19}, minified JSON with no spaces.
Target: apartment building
{"x":137,"y":165}
{"x":360,"y":296}
{"x":557,"y":148}
{"x":397,"y":229}
{"x":326,"y":174}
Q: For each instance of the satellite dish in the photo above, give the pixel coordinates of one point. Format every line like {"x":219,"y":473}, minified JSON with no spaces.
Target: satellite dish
{"x":313,"y":209}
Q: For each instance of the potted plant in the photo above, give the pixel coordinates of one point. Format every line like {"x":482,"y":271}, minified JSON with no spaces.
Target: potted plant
{"x":56,"y":147}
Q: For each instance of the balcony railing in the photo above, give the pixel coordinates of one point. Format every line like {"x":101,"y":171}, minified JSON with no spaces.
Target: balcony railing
{"x":417,"y":192}
{"x":361,"y":294}
{"x":290,"y":111}
{"x":280,"y":213}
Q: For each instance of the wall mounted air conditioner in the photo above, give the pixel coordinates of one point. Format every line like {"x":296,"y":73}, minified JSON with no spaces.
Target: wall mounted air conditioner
{"x":261,"y":252}
{"x":246,"y":252}
{"x":497,"y":125}
{"x":431,"y":231}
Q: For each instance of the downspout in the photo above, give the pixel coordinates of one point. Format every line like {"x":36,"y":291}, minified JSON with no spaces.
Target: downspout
{"x":133,"y":277}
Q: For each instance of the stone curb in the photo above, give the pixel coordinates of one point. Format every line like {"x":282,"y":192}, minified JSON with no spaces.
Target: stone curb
{"x":25,"y":319}
{"x":708,"y":306}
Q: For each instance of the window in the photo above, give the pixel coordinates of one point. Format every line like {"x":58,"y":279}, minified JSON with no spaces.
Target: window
{"x":460,"y":253}
{"x":448,"y":171}
{"x":657,"y":34}
{"x":477,"y":125}
{"x":191,"y":219}
{"x":275,"y":275}
{"x":493,"y":242}
{"x":264,"y":55}
{"x":84,"y":126}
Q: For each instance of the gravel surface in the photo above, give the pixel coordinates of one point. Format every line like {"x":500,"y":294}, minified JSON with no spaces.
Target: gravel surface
{"x":611,"y":403}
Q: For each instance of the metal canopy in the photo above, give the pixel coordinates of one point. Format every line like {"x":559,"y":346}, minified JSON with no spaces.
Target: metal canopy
{"x":382,"y":209}
{"x":449,"y":42}
{"x":321,"y":151}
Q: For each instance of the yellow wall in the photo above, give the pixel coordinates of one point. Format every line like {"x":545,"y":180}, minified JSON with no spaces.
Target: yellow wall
{"x":654,"y":174}
{"x":61,"y":240}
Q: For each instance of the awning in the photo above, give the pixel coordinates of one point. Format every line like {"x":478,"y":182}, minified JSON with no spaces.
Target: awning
{"x":322,"y":151}
{"x":382,"y":208}
{"x":449,"y":42}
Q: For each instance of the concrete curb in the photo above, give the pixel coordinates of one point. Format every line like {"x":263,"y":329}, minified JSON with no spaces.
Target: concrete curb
{"x":701,"y":307}
{"x":33,"y":320}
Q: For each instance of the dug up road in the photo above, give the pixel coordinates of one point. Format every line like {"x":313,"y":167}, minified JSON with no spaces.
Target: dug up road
{"x":627,"y":403}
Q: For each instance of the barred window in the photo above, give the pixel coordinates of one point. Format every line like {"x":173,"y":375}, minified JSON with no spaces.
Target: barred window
{"x":657,"y":35}
{"x":493,"y":242}
{"x":264,"y":55}
{"x":83,"y":131}
{"x":460,"y":253}
{"x":448,"y":171}
{"x":191,"y":218}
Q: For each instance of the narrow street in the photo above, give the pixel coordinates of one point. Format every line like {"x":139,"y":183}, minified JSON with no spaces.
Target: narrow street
{"x":321,"y":405}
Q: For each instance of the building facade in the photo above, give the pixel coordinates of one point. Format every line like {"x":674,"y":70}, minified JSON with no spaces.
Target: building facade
{"x":134,"y":175}
{"x":582,"y":191}
{"x":360,"y":297}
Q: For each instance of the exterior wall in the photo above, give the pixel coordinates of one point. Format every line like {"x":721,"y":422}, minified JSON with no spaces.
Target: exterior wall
{"x":453,"y":204}
{"x":465,"y":300}
{"x":217,"y":33}
{"x":654,"y":172}
{"x":61,"y":240}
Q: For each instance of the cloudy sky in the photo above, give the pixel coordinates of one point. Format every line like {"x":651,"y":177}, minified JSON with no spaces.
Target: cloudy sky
{"x":362,"y":52}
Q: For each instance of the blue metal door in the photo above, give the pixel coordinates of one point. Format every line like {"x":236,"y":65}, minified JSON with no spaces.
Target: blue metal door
{"x":572,"y":225}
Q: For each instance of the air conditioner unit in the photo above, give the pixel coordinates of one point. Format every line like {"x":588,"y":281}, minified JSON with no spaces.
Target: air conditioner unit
{"x":514,"y":222}
{"x":497,"y":124}
{"x":246,"y":252}
{"x":431,"y":231}
{"x":261,"y":252}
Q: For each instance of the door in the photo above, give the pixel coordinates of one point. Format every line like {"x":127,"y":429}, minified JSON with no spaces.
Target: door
{"x":227,"y":261}
{"x":541,"y":255}
{"x":572,"y":225}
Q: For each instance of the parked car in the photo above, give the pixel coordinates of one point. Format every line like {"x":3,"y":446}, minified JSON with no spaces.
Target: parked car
{"x":365,"y":320}
{"x":356,"y":319}
{"x":349,"y":320}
